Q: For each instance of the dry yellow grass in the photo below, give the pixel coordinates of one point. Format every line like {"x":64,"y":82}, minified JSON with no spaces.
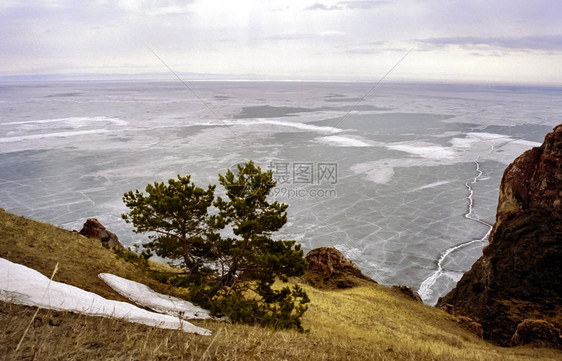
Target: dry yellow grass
{"x":41,"y":246}
{"x":364,"y":323}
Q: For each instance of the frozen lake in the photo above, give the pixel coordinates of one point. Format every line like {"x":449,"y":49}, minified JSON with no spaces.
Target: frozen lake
{"x":404,"y":182}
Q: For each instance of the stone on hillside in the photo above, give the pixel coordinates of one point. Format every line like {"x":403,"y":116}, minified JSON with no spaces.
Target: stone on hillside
{"x":331,"y":269}
{"x":408,"y":292}
{"x":471,"y":325}
{"x":94,"y":229}
{"x":537,"y":333}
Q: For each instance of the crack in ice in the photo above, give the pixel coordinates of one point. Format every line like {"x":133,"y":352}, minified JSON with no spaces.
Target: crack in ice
{"x":425,"y":290}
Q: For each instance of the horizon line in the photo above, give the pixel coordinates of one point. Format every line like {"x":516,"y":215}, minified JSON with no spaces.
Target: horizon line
{"x":213,"y":77}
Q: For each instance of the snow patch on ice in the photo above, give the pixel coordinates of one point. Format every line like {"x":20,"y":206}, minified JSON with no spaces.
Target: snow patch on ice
{"x":76,"y":121}
{"x":296,"y":125}
{"x":527,"y":143}
{"x":376,"y":172}
{"x":488,"y":146}
{"x":25,"y":286}
{"x":146,"y":297}
{"x":52,"y":135}
{"x":463,"y":142}
{"x":342,"y":141}
{"x":431,"y":185}
{"x":424,"y":151}
{"x":489,"y":136}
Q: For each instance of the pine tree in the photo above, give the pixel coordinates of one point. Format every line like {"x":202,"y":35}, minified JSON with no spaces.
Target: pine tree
{"x":176,"y":216}
{"x":234,"y":276}
{"x":253,"y":254}
{"x":253,"y":260}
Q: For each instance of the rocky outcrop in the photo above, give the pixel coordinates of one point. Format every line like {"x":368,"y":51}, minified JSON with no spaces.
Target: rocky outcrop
{"x":519,"y":274}
{"x":463,"y":321}
{"x":471,"y":325}
{"x":537,"y":333}
{"x":329,"y":268}
{"x":408,"y":293}
{"x":94,"y":229}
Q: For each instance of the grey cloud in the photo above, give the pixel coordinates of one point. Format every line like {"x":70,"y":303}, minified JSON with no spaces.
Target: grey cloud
{"x":533,"y":42}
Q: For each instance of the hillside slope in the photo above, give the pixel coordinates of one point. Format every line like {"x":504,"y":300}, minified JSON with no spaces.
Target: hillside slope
{"x":363,"y":323}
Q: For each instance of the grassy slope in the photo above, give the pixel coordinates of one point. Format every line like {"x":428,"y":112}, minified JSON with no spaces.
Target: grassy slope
{"x":364,"y":323}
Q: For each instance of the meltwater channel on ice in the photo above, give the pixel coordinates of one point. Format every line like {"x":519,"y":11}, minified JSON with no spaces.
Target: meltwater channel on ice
{"x":404,"y":182}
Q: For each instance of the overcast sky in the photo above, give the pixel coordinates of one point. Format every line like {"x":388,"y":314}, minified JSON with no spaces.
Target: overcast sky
{"x":466,"y":40}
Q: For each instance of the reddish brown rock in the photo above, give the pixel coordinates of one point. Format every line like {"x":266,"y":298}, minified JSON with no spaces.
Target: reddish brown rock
{"x":537,"y":333}
{"x":94,"y":229}
{"x":450,"y":309}
{"x":518,"y":275}
{"x":329,"y":268}
{"x":471,"y":325}
{"x":408,"y":292}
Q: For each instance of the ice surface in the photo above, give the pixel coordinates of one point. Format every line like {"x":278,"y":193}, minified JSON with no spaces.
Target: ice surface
{"x":426,"y":287}
{"x":399,"y":204}
{"x":146,"y":297}
{"x":22,"y":285}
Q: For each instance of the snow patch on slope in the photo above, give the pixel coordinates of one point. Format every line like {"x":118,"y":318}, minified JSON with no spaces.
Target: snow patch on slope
{"x":144,"y":296}
{"x":25,"y":286}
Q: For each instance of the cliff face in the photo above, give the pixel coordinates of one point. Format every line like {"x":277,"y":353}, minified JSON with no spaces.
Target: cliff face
{"x":519,"y":275}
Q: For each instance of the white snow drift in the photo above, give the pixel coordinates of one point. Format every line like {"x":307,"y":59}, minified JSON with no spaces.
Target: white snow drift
{"x":22,"y":285}
{"x":144,"y":296}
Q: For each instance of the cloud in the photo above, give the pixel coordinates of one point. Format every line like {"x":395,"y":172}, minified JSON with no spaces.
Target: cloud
{"x":316,"y":38}
{"x":287,"y":37}
{"x":532,"y":42}
{"x":376,"y":47}
{"x":342,"y":5}
{"x":169,"y":10}
{"x":332,"y":33}
{"x":318,"y":6}
{"x":362,"y":4}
